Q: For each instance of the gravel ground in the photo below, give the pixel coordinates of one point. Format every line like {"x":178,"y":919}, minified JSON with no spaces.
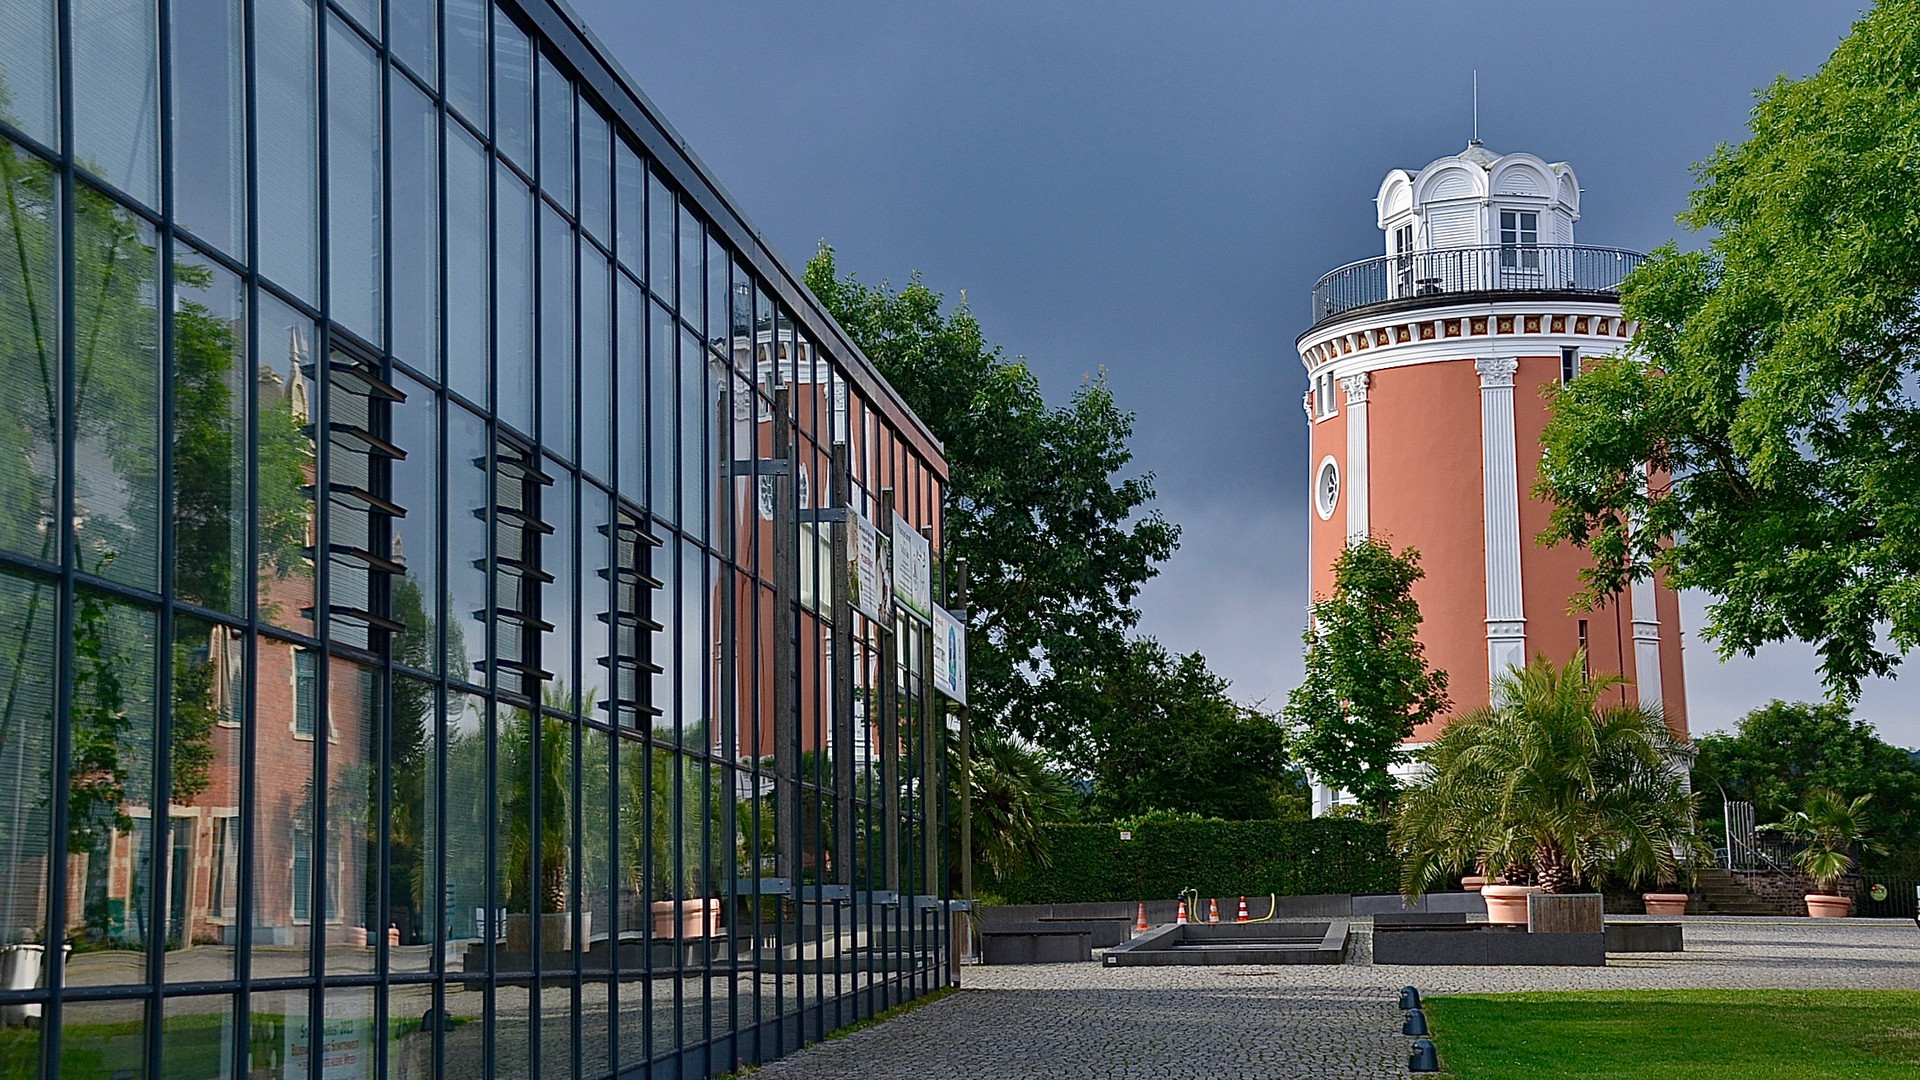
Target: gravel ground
{"x":1075,"y":1021}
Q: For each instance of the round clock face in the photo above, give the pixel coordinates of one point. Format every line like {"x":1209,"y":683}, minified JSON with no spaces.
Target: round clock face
{"x":1326,"y":488}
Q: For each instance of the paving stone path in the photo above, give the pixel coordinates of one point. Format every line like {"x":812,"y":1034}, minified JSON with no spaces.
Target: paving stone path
{"x":1088,"y":1022}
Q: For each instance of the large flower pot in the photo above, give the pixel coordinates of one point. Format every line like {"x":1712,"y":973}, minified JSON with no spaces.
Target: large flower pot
{"x":1665,"y":903}
{"x":698,"y":918}
{"x":1821,"y":906}
{"x":1507,"y":904}
{"x":1473,"y":882}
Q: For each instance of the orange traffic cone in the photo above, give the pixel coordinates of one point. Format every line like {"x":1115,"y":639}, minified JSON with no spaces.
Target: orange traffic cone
{"x":1140,"y":924}
{"x":1243,"y":910}
{"x":1180,"y":914}
{"x":1213,"y":911}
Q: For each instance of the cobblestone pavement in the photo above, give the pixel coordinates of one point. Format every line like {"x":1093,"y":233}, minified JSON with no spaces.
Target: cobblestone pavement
{"x":1075,"y":1021}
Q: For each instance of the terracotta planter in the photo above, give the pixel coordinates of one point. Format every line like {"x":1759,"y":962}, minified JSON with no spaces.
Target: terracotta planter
{"x":1507,"y":904}
{"x":698,"y":918}
{"x":1473,"y":882}
{"x":1821,"y":906}
{"x":1665,"y":903}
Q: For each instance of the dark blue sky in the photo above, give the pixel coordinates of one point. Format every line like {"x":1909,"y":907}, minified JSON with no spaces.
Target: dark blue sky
{"x":1152,"y":188}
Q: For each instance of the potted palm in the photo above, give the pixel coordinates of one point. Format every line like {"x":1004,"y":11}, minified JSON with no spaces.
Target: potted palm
{"x":1830,"y":830}
{"x":1546,"y":790}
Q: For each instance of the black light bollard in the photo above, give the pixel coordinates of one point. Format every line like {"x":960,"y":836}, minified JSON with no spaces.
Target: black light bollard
{"x":1423,"y":1059}
{"x":1416,"y":1022}
{"x":1409,"y":998}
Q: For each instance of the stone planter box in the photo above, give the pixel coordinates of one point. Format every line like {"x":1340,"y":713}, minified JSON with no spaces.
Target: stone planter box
{"x":1565,"y":913}
{"x":556,"y":931}
{"x":1643,"y":937}
{"x":1484,"y":945}
{"x":1035,"y":943}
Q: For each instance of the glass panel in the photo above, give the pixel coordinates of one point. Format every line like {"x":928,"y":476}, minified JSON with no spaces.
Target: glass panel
{"x":347,"y":1037}
{"x":512,"y":91}
{"x":209,"y":695}
{"x":556,"y":333}
{"x":692,"y":304}
{"x":630,"y":423}
{"x":288,"y":136}
{"x":660,"y":255}
{"x":466,"y":31}
{"x":556,"y":596}
{"x":116,"y":415}
{"x":29,"y":353}
{"x":354,"y":238}
{"x":209,"y":122}
{"x":412,"y":827}
{"x":197,"y":1038}
{"x":416,"y":537}
{"x":556,"y":135}
{"x":466,"y":645}
{"x":466,"y":278}
{"x":696,"y":465}
{"x":631,"y":183}
{"x":513,"y":304}
{"x":596,"y":364}
{"x":415,"y":193}
{"x":691,"y":621}
{"x":116,"y":94}
{"x":414,"y":35}
{"x":209,"y":434}
{"x":104,"y":1040}
{"x":364,"y":12}
{"x":662,"y":414}
{"x":277,"y":1047}
{"x":469,"y":811}
{"x":596,"y":174}
{"x":29,"y":77}
{"x":286,"y":717}
{"x":110,"y":792}
{"x":596,"y":582}
{"x":662,"y":609}
{"x":284,"y":517}
{"x":717,"y":293}
{"x":351,"y":888}
{"x":26,"y":759}
{"x":410,"y":1024}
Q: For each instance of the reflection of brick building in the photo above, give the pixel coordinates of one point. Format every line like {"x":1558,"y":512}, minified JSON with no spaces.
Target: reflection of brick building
{"x":1428,"y":370}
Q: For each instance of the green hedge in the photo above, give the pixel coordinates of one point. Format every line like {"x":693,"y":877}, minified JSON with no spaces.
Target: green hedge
{"x":1091,"y":864}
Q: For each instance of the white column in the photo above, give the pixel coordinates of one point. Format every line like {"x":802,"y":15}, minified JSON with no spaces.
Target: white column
{"x":1646,"y":637}
{"x":1500,"y":482}
{"x":1356,"y":478}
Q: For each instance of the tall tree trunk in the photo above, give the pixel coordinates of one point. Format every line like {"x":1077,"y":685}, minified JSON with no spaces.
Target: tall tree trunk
{"x":1556,"y":875}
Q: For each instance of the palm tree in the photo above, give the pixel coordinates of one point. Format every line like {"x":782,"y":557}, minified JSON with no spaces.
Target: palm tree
{"x":1548,"y":783}
{"x":1831,"y":829}
{"x":1013,"y":793}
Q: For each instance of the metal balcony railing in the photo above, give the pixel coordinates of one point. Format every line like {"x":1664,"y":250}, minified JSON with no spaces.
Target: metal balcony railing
{"x":1445,"y":272}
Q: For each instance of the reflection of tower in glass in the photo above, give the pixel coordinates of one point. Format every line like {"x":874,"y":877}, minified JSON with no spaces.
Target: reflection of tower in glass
{"x":1430,"y":368}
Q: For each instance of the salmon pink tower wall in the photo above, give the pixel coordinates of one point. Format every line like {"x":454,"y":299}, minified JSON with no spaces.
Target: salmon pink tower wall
{"x":1430,"y":369}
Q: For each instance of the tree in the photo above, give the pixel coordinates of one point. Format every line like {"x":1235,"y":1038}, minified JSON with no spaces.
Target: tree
{"x":1057,"y":544}
{"x":1782,"y":752}
{"x":1830,"y":829}
{"x":1778,"y":405}
{"x":1165,"y":735}
{"x":1014,"y":791}
{"x":1548,"y":783}
{"x":1367,"y":682}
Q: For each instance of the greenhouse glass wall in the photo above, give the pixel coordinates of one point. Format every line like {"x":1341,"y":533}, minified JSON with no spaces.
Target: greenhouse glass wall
{"x":426,"y":647}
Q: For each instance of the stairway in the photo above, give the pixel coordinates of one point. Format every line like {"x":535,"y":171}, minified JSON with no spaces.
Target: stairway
{"x":1719,"y":892}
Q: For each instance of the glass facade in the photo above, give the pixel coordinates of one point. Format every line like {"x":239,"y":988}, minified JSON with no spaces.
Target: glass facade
{"x":425,"y":647}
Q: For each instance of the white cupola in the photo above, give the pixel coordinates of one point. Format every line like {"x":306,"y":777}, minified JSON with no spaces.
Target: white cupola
{"x":1479,"y":198}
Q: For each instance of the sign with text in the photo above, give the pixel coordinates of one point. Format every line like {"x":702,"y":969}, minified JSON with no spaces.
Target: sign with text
{"x":867,"y":584}
{"x":949,"y":654}
{"x":912,"y":569}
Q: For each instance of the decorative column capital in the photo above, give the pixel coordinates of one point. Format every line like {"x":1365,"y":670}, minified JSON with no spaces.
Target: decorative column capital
{"x":1496,"y":371}
{"x":1356,"y":387}
{"x":1306,"y":402}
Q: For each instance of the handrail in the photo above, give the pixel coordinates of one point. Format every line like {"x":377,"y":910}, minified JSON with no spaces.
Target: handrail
{"x":1451,"y":271}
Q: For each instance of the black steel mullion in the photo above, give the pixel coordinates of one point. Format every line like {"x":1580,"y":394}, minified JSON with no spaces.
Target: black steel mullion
{"x":244,"y":880}
{"x":160,"y":828}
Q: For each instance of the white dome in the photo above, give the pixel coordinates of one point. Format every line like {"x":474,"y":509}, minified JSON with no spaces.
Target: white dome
{"x":1459,"y":200}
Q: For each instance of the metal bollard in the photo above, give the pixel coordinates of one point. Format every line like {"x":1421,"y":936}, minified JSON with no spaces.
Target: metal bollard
{"x":1423,"y":1059}
{"x":1416,"y":1022}
{"x":1409,"y":998}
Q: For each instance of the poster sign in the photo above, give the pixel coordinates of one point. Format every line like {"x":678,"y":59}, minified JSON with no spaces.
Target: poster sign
{"x":866,"y":568}
{"x":912,"y":569}
{"x":949,"y":654}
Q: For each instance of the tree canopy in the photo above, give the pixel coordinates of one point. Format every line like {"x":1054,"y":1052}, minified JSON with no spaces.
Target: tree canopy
{"x":1778,"y":406}
{"x":1367,"y":682}
{"x":1057,"y":540}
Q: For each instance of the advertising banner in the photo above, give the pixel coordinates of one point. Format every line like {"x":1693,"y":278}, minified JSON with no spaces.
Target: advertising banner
{"x":949,"y":654}
{"x":912,"y":569}
{"x":867,"y":568}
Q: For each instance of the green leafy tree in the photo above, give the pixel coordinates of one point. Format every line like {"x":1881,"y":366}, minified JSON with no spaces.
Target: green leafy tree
{"x":1058,"y":544}
{"x":1014,"y":793}
{"x":1778,"y":405}
{"x":1164,"y":735}
{"x":1367,"y":681}
{"x":1830,"y":829}
{"x":1784,"y":751}
{"x":1551,"y":784}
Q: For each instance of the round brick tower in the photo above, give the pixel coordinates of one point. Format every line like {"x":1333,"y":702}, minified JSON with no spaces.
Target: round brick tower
{"x":1427,"y":366}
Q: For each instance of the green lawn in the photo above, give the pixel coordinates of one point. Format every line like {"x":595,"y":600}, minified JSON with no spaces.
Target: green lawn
{"x":1680,"y":1035}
